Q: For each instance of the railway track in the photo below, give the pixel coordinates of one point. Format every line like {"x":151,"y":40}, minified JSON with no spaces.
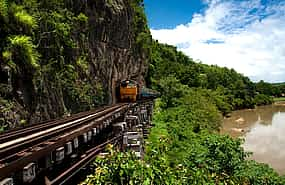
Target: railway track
{"x":24,"y":131}
{"x":15,"y":154}
{"x":38,"y":134}
{"x":45,"y":145}
{"x":85,"y":160}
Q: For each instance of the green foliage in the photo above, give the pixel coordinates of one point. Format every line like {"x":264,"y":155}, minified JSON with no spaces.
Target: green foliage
{"x":82,"y":63}
{"x":117,"y":168}
{"x":8,"y":112}
{"x":251,"y":172}
{"x":54,"y":5}
{"x":31,"y":6}
{"x":23,"y":122}
{"x":2,"y":128}
{"x":22,"y":17}
{"x":222,"y":100}
{"x":276,"y":90}
{"x":79,"y":95}
{"x":7,"y":55}
{"x":124,"y":168}
{"x":229,"y":90}
{"x":197,"y":113}
{"x":279,"y":99}
{"x":264,"y":88}
{"x":3,"y":8}
{"x":140,"y":28}
{"x":261,"y":99}
{"x":22,"y":49}
{"x":61,"y":24}
{"x":225,"y":153}
{"x":206,"y":157}
{"x":82,"y":18}
{"x":171,"y":90}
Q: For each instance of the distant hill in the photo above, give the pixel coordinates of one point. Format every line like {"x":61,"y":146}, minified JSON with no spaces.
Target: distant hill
{"x":278,"y":84}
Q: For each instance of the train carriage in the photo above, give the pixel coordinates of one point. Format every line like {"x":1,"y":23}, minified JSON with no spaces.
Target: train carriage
{"x":146,"y":93}
{"x":130,"y":91}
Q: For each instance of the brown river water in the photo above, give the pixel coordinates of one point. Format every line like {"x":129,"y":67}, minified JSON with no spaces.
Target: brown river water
{"x":263,"y":130}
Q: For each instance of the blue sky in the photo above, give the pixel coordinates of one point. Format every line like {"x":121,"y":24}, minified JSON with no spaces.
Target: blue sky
{"x":170,"y":13}
{"x":247,"y":35}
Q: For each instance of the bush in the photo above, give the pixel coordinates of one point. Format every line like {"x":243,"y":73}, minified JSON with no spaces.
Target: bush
{"x":119,"y":168}
{"x":262,"y":99}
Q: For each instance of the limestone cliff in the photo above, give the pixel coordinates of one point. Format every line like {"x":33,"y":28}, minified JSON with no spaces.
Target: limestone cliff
{"x":85,"y":48}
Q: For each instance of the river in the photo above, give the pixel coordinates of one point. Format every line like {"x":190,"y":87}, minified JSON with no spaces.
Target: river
{"x":263,"y":130}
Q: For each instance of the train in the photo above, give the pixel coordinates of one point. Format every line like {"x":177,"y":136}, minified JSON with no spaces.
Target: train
{"x":131,"y":91}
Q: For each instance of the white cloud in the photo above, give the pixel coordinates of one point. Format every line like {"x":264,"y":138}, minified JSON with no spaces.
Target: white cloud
{"x":245,"y":35}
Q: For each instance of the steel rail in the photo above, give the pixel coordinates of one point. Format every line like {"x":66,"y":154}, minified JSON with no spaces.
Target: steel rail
{"x":17,"y":161}
{"x":74,"y":169}
{"x":20,"y":132}
{"x":14,"y":146}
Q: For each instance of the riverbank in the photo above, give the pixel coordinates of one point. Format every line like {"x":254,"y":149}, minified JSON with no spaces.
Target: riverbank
{"x":280,"y":99}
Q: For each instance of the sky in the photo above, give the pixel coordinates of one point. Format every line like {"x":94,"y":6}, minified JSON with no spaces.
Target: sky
{"x":246,"y":35}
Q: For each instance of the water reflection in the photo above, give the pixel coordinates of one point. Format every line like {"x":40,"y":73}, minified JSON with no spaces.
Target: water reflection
{"x":263,"y":130}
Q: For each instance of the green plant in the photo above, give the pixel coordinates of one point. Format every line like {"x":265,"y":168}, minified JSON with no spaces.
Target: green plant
{"x":24,"y":18}
{"x":82,"y":18}
{"x":22,"y":49}
{"x":261,"y":99}
{"x":3,"y":8}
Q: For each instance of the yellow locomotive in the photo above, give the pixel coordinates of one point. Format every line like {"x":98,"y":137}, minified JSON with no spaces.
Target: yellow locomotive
{"x":128,"y":90}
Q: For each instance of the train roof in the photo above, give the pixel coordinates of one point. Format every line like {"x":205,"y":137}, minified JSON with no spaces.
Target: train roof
{"x":129,"y":81}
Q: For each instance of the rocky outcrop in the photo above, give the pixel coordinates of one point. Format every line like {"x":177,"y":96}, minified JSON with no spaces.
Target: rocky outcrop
{"x":108,"y":42}
{"x":114,"y":64}
{"x":112,"y":44}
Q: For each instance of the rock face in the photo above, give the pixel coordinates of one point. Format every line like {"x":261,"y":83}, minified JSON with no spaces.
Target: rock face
{"x":114,"y":64}
{"x":112,"y":43}
{"x":111,"y":53}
